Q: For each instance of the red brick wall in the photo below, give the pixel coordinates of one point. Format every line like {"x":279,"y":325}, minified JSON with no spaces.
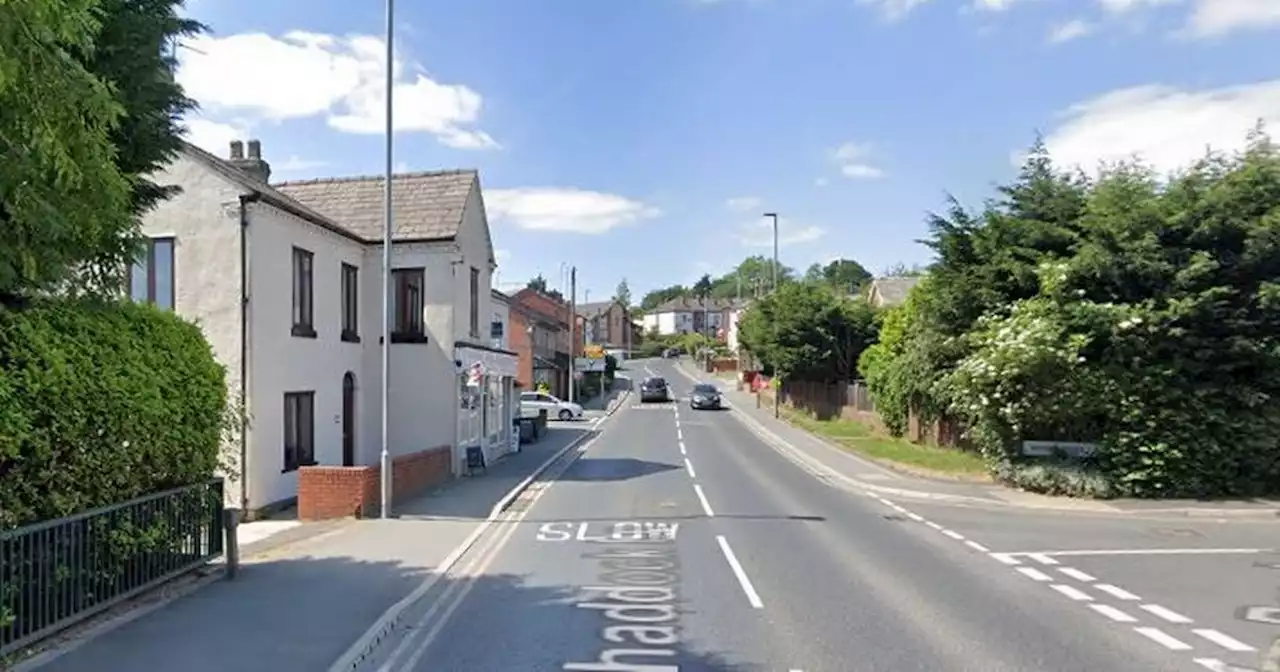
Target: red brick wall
{"x":519,"y":342}
{"x":337,"y":492}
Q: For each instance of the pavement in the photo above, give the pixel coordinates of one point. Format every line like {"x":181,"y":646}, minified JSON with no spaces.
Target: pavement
{"x":677,"y":539}
{"x":306,"y":591}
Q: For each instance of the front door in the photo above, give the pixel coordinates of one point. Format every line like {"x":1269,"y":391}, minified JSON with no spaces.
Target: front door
{"x":349,"y":420}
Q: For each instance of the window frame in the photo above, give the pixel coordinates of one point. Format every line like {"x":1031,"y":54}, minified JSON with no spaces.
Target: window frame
{"x":475,"y":302}
{"x":299,"y":430}
{"x":350,"y":290}
{"x":304,"y":292}
{"x":410,"y":327}
{"x":148,"y":261}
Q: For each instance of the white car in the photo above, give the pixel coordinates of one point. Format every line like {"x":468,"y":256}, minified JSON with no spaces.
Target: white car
{"x":532,"y":402}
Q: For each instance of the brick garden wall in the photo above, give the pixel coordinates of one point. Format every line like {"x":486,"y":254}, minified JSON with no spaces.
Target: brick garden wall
{"x":326,"y":492}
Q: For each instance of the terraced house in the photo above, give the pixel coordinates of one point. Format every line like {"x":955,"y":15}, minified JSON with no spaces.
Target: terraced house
{"x":286,"y":282}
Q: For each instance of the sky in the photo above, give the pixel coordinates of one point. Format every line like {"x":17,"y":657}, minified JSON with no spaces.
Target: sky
{"x":644,"y":139}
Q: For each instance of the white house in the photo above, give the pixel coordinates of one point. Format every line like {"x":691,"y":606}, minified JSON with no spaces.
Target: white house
{"x":685,"y":315}
{"x":286,"y":283}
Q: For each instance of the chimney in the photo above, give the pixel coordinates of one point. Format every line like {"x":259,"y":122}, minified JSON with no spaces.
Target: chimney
{"x":253,"y":165}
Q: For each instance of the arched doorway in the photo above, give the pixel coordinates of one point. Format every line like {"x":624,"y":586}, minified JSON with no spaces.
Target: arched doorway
{"x":349,"y":420}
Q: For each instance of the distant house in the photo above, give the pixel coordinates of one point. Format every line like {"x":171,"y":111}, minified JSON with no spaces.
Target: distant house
{"x":606,"y":323}
{"x":285,"y":281}
{"x":688,"y":315}
{"x":889,"y":292}
{"x":540,"y":338}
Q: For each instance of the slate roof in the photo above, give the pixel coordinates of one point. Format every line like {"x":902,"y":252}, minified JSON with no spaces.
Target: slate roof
{"x":264,"y":191}
{"x":893,"y":291}
{"x":428,"y":205}
{"x":595,"y":308}
{"x":688,"y":303}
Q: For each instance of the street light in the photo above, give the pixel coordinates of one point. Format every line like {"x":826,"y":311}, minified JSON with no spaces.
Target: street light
{"x":774,"y":216}
{"x":385,"y":458}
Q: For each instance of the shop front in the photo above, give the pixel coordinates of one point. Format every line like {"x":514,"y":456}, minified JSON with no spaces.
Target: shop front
{"x":487,"y":402}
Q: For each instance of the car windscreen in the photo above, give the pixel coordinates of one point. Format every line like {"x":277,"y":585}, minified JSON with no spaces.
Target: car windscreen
{"x":704,"y":389}
{"x":655,"y":382}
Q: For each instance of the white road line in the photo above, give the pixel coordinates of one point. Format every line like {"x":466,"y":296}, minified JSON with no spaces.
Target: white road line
{"x":702,"y":497}
{"x":1158,"y":636}
{"x":1117,"y":592}
{"x":1077,"y":574}
{"x":1153,"y":551}
{"x":752,"y":596}
{"x":1113,"y":613}
{"x":1034,"y":574}
{"x":1167,"y":614}
{"x":682,"y":449}
{"x":953,"y":534}
{"x":1042,"y":558}
{"x":1225,"y":641}
{"x":1005,"y":558}
{"x":916,"y":517}
{"x":1215,"y":665}
{"x":976,"y":546}
{"x":1072,"y":592}
{"x":934,"y":525}
{"x":886,"y":502}
{"x":689,"y":467}
{"x":679,"y":434}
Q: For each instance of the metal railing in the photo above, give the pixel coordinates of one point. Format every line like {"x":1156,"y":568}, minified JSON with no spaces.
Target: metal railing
{"x":58,"y":572}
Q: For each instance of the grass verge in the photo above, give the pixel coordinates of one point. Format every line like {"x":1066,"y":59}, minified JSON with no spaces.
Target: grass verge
{"x":893,"y":452}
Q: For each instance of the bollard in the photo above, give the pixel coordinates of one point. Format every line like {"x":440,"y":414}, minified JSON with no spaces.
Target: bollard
{"x":231,"y":523}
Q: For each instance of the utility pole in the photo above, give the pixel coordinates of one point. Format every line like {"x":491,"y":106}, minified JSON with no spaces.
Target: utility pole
{"x":774,"y":217}
{"x":573,"y":319}
{"x":384,"y":461}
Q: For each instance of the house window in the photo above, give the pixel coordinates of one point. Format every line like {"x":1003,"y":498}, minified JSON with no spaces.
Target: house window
{"x":303,"y":294}
{"x":350,"y":303}
{"x":151,"y":276}
{"x":475,"y":302}
{"x":408,"y":326}
{"x":299,"y":430}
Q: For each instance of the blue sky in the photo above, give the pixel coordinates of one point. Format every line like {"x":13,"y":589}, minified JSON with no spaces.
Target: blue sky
{"x":644,"y":138}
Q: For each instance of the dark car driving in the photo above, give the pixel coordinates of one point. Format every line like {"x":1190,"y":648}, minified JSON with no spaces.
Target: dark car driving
{"x":654,"y":389}
{"x":704,"y":395}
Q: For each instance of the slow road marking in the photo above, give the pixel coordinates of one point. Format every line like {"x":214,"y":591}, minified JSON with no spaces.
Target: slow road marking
{"x":604,"y":533}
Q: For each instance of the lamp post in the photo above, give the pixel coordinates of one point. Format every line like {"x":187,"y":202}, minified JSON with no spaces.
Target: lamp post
{"x":384,"y":461}
{"x":774,"y":217}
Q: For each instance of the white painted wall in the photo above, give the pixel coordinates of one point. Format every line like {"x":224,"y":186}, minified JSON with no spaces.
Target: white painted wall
{"x":281,"y":362}
{"x":500,"y":311}
{"x":204,"y":219}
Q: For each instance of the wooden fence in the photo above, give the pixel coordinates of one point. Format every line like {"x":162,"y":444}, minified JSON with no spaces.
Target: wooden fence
{"x":852,"y":401}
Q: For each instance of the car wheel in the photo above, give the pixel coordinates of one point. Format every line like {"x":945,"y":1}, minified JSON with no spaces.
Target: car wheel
{"x":566,"y":414}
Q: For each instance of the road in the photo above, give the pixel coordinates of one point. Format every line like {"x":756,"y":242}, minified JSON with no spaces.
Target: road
{"x":680,"y":540}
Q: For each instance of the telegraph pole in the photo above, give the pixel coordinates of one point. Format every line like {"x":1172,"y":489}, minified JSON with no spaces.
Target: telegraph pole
{"x":573,"y":319}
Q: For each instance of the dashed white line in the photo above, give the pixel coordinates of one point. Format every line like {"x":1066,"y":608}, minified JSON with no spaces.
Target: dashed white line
{"x":1215,"y":665}
{"x":934,"y":525}
{"x":1117,"y":592}
{"x":1042,"y":558}
{"x":1077,"y":574}
{"x":1034,"y":574}
{"x":1005,"y":558}
{"x":689,"y":467}
{"x":1160,"y":637}
{"x":1072,"y":592}
{"x":976,"y":546}
{"x":702,"y":498}
{"x":916,"y":517}
{"x":1167,"y":614}
{"x":682,"y":449}
{"x":752,"y":596}
{"x":1225,"y":641}
{"x":953,"y":534}
{"x":1113,"y":613}
{"x":679,"y":434}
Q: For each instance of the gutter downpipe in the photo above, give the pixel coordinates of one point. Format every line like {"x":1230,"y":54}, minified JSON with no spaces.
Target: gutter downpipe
{"x":244,"y":347}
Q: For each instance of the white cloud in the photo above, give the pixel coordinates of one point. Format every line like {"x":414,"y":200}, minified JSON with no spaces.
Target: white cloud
{"x":743,"y":203}
{"x":1122,"y":6}
{"x":1167,"y":127}
{"x":821,"y":182}
{"x":1212,"y":18}
{"x":1065,"y":32}
{"x":994,"y":5}
{"x":342,"y":78}
{"x":759,"y":233}
{"x":295,"y":164}
{"x":892,"y":10}
{"x":565,"y":209}
{"x":853,"y":159}
{"x":212,"y":136}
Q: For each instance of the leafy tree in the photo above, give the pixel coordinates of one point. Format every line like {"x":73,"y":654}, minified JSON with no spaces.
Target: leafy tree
{"x":539,"y":284}
{"x":64,"y":201}
{"x":623,"y":293}
{"x":901,"y":270}
{"x":845,"y":276}
{"x":702,"y":288}
{"x":660,"y":296}
{"x":808,"y":332}
{"x":756,"y":276}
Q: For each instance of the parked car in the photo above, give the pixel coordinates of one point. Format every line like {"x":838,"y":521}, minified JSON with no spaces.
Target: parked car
{"x":705,"y":395}
{"x":654,"y":389}
{"x":532,"y":402}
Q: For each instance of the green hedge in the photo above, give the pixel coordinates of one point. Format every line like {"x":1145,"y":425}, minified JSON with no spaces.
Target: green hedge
{"x":101,"y":402}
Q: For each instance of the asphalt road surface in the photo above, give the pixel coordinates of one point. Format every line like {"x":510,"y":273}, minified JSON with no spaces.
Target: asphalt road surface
{"x":679,"y":540}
